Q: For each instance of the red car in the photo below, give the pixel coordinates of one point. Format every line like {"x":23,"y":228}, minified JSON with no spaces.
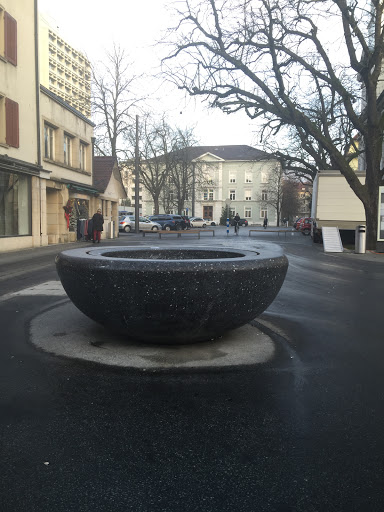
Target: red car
{"x":305,"y":225}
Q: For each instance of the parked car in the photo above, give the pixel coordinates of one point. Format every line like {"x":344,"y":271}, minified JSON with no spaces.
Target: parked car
{"x":169,"y":222}
{"x":242,"y":222}
{"x":198,"y":222}
{"x":305,"y":225}
{"x":210,"y":222}
{"x":127,"y":224}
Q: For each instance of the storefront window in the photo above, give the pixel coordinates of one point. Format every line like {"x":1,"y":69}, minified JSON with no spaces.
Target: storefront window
{"x":15,"y":204}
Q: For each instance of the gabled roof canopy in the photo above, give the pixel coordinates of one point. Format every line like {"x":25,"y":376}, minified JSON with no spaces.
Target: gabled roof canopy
{"x":103,"y":168}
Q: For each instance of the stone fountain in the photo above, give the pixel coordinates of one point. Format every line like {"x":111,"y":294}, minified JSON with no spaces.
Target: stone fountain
{"x":172,"y":295}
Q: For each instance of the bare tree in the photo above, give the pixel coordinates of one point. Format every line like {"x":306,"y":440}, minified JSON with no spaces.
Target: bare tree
{"x":156,"y":143}
{"x":290,"y":204}
{"x":115,"y":94}
{"x":275,"y":60}
{"x":183,"y":171}
{"x":272,"y":192}
{"x":166,"y":170}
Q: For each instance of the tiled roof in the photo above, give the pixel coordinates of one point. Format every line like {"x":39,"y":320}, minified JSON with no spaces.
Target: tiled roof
{"x":102,"y":171}
{"x":236,"y":152}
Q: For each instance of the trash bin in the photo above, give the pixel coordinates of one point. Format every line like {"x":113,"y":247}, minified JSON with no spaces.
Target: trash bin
{"x":360,"y":239}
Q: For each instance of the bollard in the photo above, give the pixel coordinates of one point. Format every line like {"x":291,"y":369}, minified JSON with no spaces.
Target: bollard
{"x":227,"y":226}
{"x":360,"y":239}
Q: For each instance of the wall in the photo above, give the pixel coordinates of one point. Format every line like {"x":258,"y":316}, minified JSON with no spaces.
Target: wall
{"x":18,"y":82}
{"x":66,"y":122}
{"x":336,"y":203}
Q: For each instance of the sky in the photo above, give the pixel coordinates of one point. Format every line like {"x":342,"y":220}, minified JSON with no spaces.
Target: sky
{"x":92,"y":26}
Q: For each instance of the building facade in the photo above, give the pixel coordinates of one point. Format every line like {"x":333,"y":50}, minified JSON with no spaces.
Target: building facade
{"x":64,"y":70}
{"x":236,"y":177}
{"x":20,"y":162}
{"x":107,"y":180}
{"x":47,"y":190}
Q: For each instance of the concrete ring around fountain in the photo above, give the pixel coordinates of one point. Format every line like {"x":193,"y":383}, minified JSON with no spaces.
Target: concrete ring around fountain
{"x":172,"y":295}
{"x":62,"y":330}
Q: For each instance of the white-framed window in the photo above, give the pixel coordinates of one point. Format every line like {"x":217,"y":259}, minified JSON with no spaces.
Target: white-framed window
{"x":67,"y":149}
{"x":208,"y":194}
{"x":83,"y":155}
{"x":248,"y":177}
{"x":264,"y":195}
{"x":232,"y":210}
{"x":232,"y":178}
{"x":49,"y":141}
{"x":248,"y":195}
{"x":247,"y":213}
{"x":263,"y":213}
{"x":264,"y":177}
{"x":232,"y":195}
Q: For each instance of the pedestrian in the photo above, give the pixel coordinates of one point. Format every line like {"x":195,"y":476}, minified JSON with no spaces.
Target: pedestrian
{"x":265,"y":223}
{"x":98,"y":221}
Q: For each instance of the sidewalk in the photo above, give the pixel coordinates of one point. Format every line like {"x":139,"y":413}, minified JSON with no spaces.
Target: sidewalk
{"x":36,"y":252}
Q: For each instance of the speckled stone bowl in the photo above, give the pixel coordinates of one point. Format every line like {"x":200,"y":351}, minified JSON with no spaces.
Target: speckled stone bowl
{"x":172,"y":295}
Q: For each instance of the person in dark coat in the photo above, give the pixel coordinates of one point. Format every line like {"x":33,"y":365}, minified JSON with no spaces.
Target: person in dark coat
{"x":265,"y":223}
{"x":98,"y":221}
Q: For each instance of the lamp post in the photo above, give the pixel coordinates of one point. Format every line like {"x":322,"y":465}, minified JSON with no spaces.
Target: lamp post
{"x":137,"y":177}
{"x":193,"y":188}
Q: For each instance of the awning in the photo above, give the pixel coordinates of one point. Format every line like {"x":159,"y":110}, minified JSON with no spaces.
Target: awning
{"x":83,"y":188}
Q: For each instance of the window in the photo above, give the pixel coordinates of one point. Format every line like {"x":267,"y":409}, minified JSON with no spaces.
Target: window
{"x":264,"y":195}
{"x":8,"y":37}
{"x":9,"y":122}
{"x":49,"y":142}
{"x":248,"y":177}
{"x":82,"y":156}
{"x":264,"y":177}
{"x":232,"y":195}
{"x":247,"y":213}
{"x":232,"y":178}
{"x":208,"y":194}
{"x":15,"y":204}
{"x":67,"y":149}
{"x":248,"y":195}
{"x":263,"y":214}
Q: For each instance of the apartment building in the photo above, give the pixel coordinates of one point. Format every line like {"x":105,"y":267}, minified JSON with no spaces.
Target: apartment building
{"x":236,"y":177}
{"x":46,"y":148}
{"x":64,"y":70}
{"x":20,"y":169}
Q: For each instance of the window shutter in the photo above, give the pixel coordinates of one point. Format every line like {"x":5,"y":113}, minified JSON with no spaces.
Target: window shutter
{"x":12,"y":123}
{"x":10,"y":38}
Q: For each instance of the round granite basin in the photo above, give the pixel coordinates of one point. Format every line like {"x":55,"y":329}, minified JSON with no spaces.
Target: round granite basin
{"x":172,"y":295}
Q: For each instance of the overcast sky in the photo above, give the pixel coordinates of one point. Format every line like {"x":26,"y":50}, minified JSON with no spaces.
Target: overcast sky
{"x":93,"y":25}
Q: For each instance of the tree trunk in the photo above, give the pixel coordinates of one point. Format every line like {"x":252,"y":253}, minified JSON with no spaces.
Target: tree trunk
{"x":156,"y":205}
{"x":371,"y":212}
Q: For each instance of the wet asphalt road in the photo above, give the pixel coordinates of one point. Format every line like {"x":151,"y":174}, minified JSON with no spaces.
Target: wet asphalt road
{"x":303,"y":432}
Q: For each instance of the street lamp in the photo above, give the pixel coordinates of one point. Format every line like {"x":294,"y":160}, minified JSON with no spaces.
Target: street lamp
{"x":137,"y":177}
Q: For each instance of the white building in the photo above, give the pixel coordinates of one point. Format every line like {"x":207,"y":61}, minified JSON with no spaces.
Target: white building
{"x":237,"y":177}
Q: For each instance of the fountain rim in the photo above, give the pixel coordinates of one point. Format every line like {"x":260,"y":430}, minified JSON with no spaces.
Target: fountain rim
{"x":246,"y":255}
